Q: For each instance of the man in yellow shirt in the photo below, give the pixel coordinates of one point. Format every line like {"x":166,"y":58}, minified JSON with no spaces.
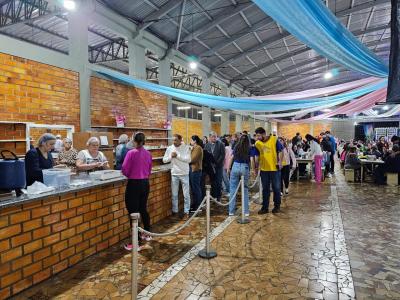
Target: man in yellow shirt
{"x":270,"y":163}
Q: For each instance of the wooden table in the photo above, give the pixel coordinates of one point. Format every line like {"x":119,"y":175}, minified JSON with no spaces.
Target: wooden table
{"x":369,"y":162}
{"x":304,"y":161}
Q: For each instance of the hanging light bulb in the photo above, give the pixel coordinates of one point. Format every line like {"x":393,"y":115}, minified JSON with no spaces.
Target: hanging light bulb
{"x":193,"y":65}
{"x":328,"y":75}
{"x":69,"y":4}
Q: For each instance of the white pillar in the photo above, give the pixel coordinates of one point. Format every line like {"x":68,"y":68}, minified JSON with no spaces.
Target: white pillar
{"x":206,"y":120}
{"x":224,"y":122}
{"x":164,"y":78}
{"x":252,"y":125}
{"x":78,"y":52}
{"x":206,"y":116}
{"x":238,"y":123}
{"x":137,"y":60}
{"x":312,"y":126}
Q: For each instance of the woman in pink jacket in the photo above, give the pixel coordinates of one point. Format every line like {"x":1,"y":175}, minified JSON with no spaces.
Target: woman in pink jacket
{"x":137,"y":167}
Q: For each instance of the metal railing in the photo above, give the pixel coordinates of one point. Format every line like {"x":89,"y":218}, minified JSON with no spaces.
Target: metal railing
{"x":207,"y":252}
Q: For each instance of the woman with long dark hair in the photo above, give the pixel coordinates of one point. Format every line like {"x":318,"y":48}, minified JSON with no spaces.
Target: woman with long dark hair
{"x":240,"y":167}
{"x":137,"y":167}
{"x":316,"y":152}
{"x":196,"y":167}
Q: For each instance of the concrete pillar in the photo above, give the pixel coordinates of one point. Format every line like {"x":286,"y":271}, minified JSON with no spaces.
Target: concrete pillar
{"x":206,"y":120}
{"x":238,"y":123}
{"x":268,"y":127}
{"x":312,"y":126}
{"x":224,"y":122}
{"x":137,"y":60}
{"x":252,"y":125}
{"x":206,"y":116}
{"x":78,"y":52}
{"x":164,"y":78}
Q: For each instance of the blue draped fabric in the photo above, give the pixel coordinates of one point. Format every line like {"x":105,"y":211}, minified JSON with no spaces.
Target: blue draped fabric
{"x":239,"y":103}
{"x":314,"y":24}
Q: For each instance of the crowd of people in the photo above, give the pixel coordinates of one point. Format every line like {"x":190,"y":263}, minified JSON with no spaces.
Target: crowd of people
{"x":220,"y":161}
{"x":386,"y":150}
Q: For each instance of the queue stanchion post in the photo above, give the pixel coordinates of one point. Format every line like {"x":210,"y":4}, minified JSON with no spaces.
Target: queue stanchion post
{"x":207,"y":252}
{"x":242,"y":219}
{"x":135,"y":247}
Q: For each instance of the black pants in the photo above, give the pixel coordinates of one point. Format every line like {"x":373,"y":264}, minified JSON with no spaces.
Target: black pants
{"x":285,"y":172}
{"x":136,"y":194}
{"x":332,"y":162}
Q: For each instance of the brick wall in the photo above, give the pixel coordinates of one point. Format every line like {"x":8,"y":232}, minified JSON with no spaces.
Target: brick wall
{"x":35,"y":92}
{"x":232,"y":127}
{"x":44,"y":237}
{"x":289,"y":130}
{"x":194,"y":127}
{"x":141,"y":108}
{"x":216,"y":127}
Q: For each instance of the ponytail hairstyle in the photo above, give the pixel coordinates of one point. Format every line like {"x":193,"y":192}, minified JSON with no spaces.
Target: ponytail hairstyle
{"x":310,"y":138}
{"x":140,"y":139}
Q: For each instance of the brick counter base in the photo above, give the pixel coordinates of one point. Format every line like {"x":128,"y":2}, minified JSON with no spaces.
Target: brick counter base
{"x":44,"y":237}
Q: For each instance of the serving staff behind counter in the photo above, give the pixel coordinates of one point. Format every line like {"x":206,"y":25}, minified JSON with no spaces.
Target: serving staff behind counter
{"x":40,"y":158}
{"x":55,"y":230}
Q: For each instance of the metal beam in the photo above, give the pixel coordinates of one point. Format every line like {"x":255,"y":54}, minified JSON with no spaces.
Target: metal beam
{"x":49,"y":31}
{"x":157,"y":14}
{"x":226,"y":14}
{"x":108,"y":51}
{"x":306,"y":62}
{"x":178,"y":39}
{"x":275,"y":38}
{"x":299,"y":51}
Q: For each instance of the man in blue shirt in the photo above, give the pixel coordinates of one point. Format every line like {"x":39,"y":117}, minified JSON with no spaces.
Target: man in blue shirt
{"x":332,"y":141}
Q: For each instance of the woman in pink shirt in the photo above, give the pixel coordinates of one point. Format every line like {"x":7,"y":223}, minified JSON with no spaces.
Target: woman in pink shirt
{"x":137,"y":167}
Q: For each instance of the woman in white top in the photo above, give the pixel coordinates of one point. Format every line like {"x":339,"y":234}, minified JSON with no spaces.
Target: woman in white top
{"x":92,"y":159}
{"x":316,"y":152}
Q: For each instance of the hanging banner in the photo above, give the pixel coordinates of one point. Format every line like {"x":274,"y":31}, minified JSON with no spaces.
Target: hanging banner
{"x":393,"y":91}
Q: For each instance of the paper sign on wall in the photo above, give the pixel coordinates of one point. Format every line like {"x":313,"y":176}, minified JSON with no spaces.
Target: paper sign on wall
{"x":103,"y":140}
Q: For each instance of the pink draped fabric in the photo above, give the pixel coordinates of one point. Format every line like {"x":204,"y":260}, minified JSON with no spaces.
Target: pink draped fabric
{"x":355,"y":106}
{"x":312,"y":93}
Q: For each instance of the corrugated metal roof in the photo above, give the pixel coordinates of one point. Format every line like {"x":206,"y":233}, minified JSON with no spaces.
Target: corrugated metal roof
{"x":216,"y":41}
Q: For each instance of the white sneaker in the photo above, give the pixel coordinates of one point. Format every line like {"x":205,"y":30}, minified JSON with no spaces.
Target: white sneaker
{"x":281,"y":194}
{"x":246,"y":215}
{"x":287,"y":191}
{"x":231,"y":215}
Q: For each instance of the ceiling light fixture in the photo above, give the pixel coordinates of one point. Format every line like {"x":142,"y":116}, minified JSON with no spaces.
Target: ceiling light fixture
{"x":386,"y":107}
{"x":328,"y":75}
{"x":69,"y":4}
{"x":217,"y":115}
{"x":183,"y":107}
{"x":193,"y":65}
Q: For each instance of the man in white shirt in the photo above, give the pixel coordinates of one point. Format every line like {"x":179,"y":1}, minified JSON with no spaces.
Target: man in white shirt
{"x":178,"y":154}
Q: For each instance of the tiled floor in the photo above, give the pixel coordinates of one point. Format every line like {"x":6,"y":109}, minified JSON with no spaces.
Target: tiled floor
{"x":334,"y":241}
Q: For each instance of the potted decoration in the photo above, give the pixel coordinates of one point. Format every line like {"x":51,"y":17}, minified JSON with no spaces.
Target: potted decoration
{"x":168,"y":123}
{"x":120,"y":119}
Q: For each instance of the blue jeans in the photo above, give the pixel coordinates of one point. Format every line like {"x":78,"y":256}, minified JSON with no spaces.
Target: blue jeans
{"x":195,"y":185}
{"x":225,"y":180}
{"x":184,"y":179}
{"x":239,"y":170}
{"x":216,"y":184}
{"x":268,"y":177}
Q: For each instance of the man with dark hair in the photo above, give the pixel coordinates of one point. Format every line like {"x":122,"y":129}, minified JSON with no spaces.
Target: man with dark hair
{"x":217,"y":149}
{"x":178,"y":154}
{"x":270,"y":163}
{"x":332,"y":141}
{"x":297,"y":139}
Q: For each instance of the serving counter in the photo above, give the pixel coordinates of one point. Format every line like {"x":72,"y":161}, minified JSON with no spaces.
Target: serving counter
{"x":44,"y":234}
